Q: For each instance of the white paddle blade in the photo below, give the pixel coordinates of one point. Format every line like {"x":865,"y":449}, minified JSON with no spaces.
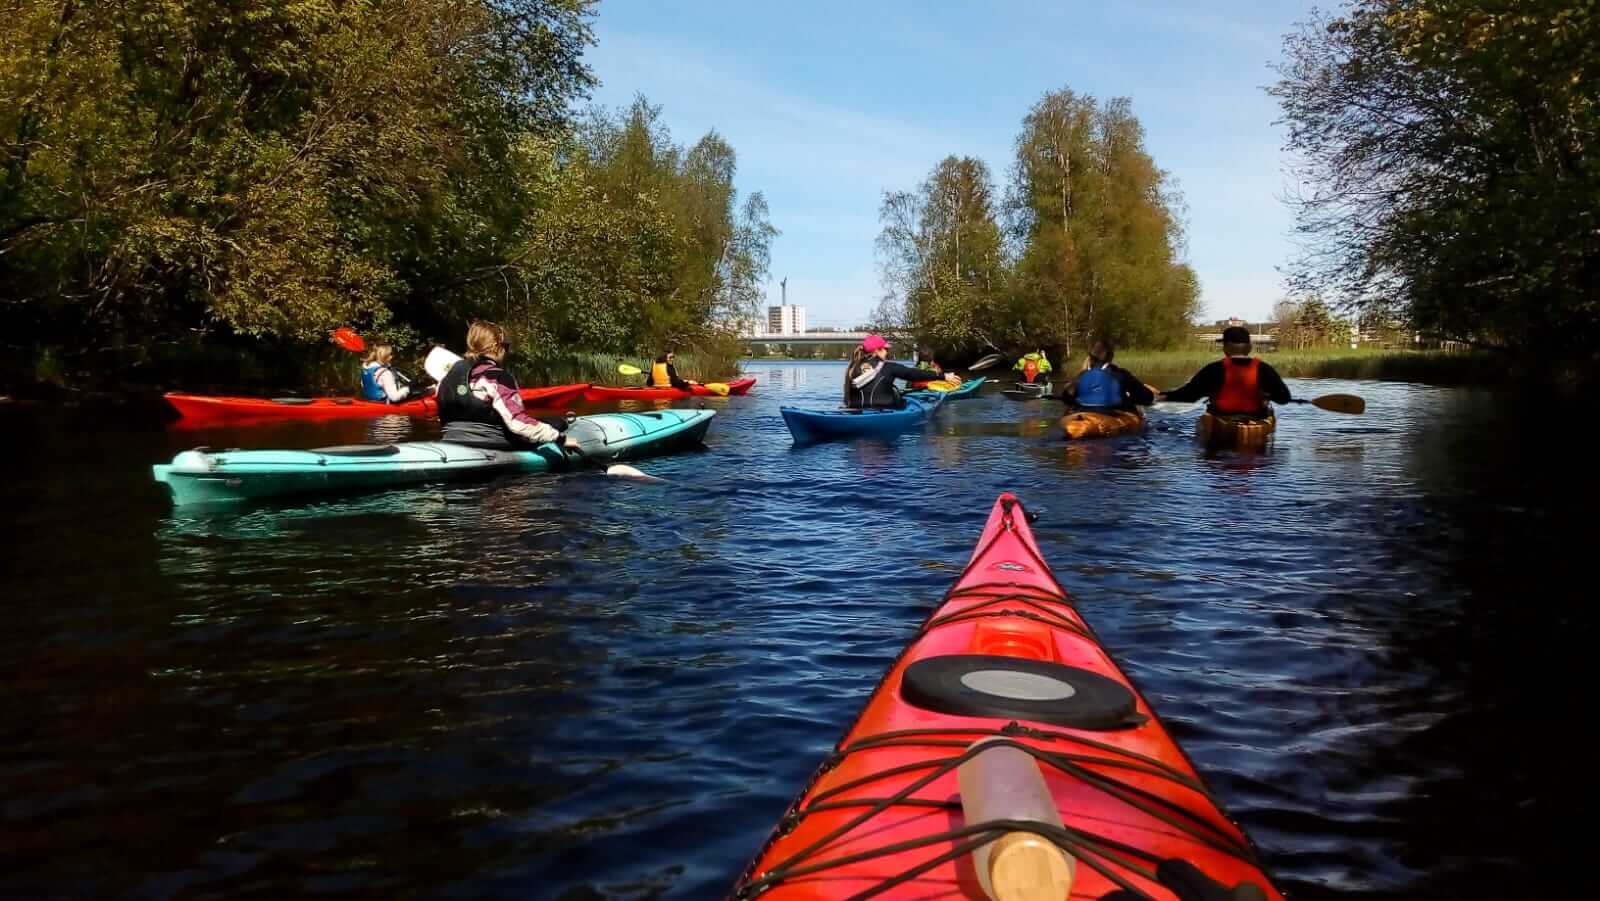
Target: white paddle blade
{"x":624,"y":471}
{"x":439,"y":362}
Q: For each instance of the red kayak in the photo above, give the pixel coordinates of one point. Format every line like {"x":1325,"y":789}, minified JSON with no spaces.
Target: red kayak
{"x":606,"y":392}
{"x":200,"y":408}
{"x":1077,"y":789}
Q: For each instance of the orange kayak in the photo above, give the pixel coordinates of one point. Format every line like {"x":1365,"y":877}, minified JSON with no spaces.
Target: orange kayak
{"x":1093,"y":424}
{"x":1224,"y":430}
{"x":201,"y":409}
{"x":1005,"y":660}
{"x":609,"y":392}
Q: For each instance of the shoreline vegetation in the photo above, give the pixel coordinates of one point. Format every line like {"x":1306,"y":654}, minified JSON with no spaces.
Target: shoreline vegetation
{"x":186,"y":204}
{"x":206,"y":226}
{"x":1429,"y":367}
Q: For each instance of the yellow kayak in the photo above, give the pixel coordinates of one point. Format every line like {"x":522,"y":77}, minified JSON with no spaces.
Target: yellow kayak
{"x":1228,"y":430}
{"x":1093,"y":424}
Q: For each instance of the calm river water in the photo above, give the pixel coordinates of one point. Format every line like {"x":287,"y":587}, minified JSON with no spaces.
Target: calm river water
{"x":1369,"y":638}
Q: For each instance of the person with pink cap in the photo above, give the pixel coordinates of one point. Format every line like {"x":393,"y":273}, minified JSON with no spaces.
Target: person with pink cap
{"x":869,"y":379}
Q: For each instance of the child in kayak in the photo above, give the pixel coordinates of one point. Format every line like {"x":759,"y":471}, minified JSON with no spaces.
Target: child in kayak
{"x":664,"y":375}
{"x":480,"y":404}
{"x":379,"y":381}
{"x":1237,"y":384}
{"x":869,"y":379}
{"x":1104,"y":387}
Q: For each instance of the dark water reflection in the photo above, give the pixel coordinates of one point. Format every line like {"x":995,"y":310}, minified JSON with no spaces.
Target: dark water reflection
{"x":1370,"y":638}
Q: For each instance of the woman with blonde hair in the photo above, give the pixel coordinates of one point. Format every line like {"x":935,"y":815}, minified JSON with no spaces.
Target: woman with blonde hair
{"x":480,"y":403}
{"x":379,"y":380}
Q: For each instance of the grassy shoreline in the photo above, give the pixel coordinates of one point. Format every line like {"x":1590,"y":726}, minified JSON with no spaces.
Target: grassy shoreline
{"x":1425,"y":366}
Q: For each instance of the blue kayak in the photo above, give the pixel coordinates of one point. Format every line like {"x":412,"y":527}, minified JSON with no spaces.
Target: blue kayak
{"x":808,"y":426}
{"x":205,"y":476}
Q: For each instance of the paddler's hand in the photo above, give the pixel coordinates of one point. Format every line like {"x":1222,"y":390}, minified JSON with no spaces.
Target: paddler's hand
{"x":569,"y":443}
{"x":952,"y":378}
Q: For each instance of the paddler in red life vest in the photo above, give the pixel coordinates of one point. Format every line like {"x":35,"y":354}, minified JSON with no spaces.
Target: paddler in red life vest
{"x":664,"y":375}
{"x":1032,"y":366}
{"x":1238,"y":384}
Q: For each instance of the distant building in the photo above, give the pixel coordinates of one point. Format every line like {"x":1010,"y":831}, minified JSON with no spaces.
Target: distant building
{"x":786,"y":320}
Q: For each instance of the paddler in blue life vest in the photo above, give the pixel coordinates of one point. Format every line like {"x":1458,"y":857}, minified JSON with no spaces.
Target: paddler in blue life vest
{"x":379,"y":380}
{"x":1103,"y":387}
{"x":664,"y":375}
{"x":869,"y":379}
{"x":1238,"y":384}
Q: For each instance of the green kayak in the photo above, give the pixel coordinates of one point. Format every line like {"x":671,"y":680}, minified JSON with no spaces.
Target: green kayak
{"x":207,"y":476}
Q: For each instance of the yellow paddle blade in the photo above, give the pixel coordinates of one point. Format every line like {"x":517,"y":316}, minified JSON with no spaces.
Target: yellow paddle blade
{"x":1341,"y":403}
{"x":627,"y":369}
{"x":717,"y":388}
{"x":940,"y":385}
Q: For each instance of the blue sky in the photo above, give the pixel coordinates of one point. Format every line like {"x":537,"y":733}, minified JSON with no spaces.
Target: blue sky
{"x":829,"y":103}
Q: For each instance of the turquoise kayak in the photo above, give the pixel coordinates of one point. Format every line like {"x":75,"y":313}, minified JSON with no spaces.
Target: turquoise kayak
{"x":808,"y":426}
{"x":968,"y":388}
{"x":206,"y":476}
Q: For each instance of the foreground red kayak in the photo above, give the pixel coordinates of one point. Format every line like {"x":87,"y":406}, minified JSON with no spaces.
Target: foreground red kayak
{"x":201,"y":408}
{"x":607,"y":392}
{"x":1074,"y":790}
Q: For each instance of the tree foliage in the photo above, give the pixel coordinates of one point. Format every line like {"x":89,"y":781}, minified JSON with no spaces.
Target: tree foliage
{"x":943,"y":256}
{"x":1448,"y":151}
{"x":280,"y":169}
{"x":1309,"y":323}
{"x":1090,"y":247}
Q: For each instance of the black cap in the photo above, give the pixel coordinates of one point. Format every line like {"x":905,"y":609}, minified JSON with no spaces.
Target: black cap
{"x":1235,"y":334}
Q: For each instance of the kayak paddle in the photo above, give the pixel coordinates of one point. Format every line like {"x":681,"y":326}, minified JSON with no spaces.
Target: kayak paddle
{"x":1337,"y":403}
{"x":615,"y":470}
{"x":348,"y":339}
{"x":984,"y":363}
{"x":717,"y":388}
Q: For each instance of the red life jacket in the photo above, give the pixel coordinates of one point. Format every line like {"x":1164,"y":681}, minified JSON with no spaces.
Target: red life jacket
{"x":1241,"y":388}
{"x":1030,"y":369}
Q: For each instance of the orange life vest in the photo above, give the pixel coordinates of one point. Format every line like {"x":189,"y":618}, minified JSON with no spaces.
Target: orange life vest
{"x":659,"y":377}
{"x":1241,"y":387}
{"x":1030,"y":369}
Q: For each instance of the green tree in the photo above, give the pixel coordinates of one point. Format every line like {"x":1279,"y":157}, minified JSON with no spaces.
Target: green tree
{"x":1450,"y":163}
{"x":275,"y":169}
{"x":638,"y":244}
{"x":1097,"y":229}
{"x":943,"y":258}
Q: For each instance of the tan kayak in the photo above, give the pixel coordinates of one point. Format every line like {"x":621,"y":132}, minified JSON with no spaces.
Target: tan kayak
{"x":1090,"y":424}
{"x":1225,"y":430}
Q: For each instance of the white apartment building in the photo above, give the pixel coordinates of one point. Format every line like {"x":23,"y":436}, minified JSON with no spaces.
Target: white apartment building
{"x":787,"y":319}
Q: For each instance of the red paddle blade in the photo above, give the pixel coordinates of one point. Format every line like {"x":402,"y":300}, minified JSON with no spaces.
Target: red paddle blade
{"x":349,"y":340}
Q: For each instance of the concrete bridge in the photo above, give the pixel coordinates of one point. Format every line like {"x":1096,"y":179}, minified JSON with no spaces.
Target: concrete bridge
{"x":818,"y":338}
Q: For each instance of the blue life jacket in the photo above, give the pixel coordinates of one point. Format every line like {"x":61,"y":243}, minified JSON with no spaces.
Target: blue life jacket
{"x":1099,"y":387}
{"x":370,"y":389}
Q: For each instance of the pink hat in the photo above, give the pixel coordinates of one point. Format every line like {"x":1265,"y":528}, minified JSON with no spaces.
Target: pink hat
{"x":873,"y":343}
